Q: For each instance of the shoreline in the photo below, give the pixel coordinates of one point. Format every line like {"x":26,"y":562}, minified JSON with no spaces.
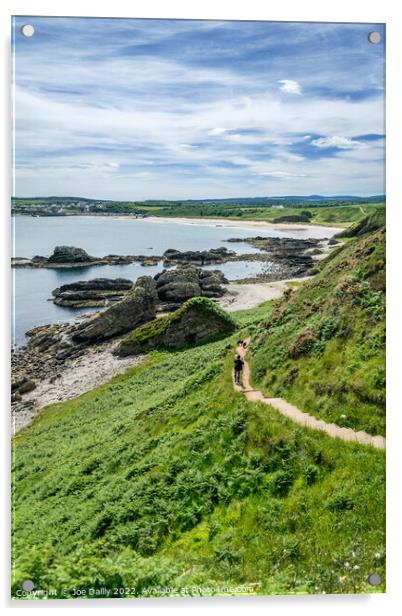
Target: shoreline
{"x":243,"y":296}
{"x":230,"y":223}
{"x":94,"y":368}
{"x":209,"y":222}
{"x":98,"y":365}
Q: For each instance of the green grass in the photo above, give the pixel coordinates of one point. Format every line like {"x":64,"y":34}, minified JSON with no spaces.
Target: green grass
{"x":165,"y":477}
{"x":323,"y":347}
{"x":375,"y":219}
{"x":332,"y":215}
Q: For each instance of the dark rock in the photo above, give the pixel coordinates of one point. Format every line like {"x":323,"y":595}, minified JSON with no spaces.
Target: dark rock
{"x":29,"y":385}
{"x":185,"y":282}
{"x":70,"y":254}
{"x":137,"y":307}
{"x":179,"y":291}
{"x":90,"y":293}
{"x":197,"y":320}
{"x":289,"y":257}
{"x":197,"y":257}
{"x":21,"y":385}
{"x":149,"y":261}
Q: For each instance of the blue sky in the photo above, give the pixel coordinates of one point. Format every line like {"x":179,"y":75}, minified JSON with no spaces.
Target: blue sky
{"x":171,"y":109}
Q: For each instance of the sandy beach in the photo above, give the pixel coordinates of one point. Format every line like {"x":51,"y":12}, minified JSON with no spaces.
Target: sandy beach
{"x":244,"y":296}
{"x":235,"y":224}
{"x":227,"y":223}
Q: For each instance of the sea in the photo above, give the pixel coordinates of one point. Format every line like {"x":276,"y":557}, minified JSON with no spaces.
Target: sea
{"x":100,"y":236}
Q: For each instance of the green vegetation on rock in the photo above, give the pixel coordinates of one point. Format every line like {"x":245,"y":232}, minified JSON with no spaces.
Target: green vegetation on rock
{"x":199,"y":319}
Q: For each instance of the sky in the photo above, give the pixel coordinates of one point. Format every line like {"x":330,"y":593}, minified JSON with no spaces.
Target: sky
{"x":175,"y":109}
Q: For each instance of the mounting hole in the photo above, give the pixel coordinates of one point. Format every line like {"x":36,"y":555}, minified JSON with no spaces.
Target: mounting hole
{"x":374,"y":579}
{"x":27,"y":585}
{"x":374,"y":38}
{"x":27,"y":30}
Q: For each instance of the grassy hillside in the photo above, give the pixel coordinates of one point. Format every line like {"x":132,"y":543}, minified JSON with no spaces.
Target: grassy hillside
{"x":375,"y":220}
{"x":323,"y":347}
{"x":165,"y":477}
{"x":330,"y":215}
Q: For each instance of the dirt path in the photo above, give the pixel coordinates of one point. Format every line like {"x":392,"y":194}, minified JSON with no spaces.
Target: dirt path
{"x":304,"y":419}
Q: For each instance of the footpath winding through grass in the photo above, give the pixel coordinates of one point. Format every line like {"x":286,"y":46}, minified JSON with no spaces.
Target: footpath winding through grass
{"x":166,"y":481}
{"x":298,"y":416}
{"x":166,"y":477}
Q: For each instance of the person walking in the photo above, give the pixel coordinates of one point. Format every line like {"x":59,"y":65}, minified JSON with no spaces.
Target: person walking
{"x":238,"y":367}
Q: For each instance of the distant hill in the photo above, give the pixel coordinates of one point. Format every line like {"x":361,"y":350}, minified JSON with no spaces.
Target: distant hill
{"x":229,"y":200}
{"x":274,"y":199}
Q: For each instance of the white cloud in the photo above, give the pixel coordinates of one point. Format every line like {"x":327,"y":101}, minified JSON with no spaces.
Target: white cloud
{"x":214,"y":132}
{"x":343,"y":143}
{"x":290,"y":86}
{"x":157,"y":113}
{"x":281,"y":174}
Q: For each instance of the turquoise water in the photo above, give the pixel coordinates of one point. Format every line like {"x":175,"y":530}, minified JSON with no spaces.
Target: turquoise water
{"x":100,"y":236}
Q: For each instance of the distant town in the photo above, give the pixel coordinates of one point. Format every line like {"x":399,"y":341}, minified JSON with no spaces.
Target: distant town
{"x":303,"y":209}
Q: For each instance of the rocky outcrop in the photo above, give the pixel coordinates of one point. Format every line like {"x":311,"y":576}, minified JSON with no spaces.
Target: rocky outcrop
{"x":65,"y":257}
{"x":43,"y":357}
{"x":51,"y":347}
{"x":21,"y":385}
{"x":289,"y":257}
{"x":197,"y":257}
{"x":91,"y":293}
{"x":137,"y":307}
{"x":179,"y":285}
{"x":69,"y":254}
{"x":197,"y":320}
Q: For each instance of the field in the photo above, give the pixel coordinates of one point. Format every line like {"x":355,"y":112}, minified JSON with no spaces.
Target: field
{"x":325,"y":212}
